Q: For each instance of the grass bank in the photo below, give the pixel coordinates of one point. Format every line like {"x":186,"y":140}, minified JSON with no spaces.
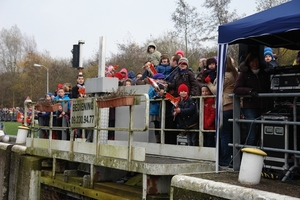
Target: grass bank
{"x":11,"y":128}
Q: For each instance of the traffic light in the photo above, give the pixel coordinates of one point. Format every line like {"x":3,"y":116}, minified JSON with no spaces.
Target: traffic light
{"x":75,"y":52}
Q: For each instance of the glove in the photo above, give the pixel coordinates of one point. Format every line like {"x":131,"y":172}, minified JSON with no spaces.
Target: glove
{"x":207,"y":79}
{"x":253,"y":93}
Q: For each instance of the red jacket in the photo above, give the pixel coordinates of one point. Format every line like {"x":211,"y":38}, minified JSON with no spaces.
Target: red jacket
{"x":209,"y":114}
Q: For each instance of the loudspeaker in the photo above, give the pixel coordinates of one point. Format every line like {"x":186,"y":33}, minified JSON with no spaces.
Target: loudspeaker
{"x":277,"y":136}
{"x":244,"y":49}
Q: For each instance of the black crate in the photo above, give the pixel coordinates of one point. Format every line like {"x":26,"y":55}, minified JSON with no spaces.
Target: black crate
{"x":276,"y":136}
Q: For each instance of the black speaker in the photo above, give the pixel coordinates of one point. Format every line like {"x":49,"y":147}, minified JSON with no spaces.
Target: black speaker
{"x":277,"y":136}
{"x":244,"y":49}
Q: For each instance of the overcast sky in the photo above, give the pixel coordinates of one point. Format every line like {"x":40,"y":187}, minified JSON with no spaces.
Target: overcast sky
{"x":58,"y":24}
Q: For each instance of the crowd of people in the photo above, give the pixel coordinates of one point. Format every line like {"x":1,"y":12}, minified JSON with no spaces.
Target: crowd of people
{"x":172,"y":76}
{"x":11,"y":114}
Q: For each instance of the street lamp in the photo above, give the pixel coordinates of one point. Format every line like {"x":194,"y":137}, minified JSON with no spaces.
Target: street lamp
{"x":38,"y":65}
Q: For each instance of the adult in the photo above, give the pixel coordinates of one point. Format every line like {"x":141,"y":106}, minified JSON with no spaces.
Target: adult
{"x":226,"y":131}
{"x":252,"y":80}
{"x":200,"y":71}
{"x":184,"y":76}
{"x":174,"y":68}
{"x":171,"y":136}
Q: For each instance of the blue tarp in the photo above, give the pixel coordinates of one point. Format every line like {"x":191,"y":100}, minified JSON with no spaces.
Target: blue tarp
{"x":276,"y":27}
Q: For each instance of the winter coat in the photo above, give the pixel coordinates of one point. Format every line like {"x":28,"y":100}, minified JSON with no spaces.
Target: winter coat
{"x":270,"y":66}
{"x":154,"y":105}
{"x":131,"y":75}
{"x":228,"y":87}
{"x":125,"y":71}
{"x":209,"y":114}
{"x":247,"y":81}
{"x":66,"y":99}
{"x":212,"y":73}
{"x":164,"y":69}
{"x":169,"y":78}
{"x":146,"y":74}
{"x":188,"y":115}
{"x":153,"y":57}
{"x":187,"y":77}
{"x":75,"y":92}
{"x":200,"y":78}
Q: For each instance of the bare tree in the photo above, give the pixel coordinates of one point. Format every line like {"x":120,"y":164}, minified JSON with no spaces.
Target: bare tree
{"x":266,"y":4}
{"x":219,"y":14}
{"x":188,"y":24}
{"x":13,"y":46}
{"x":282,"y":53}
{"x":130,"y":55}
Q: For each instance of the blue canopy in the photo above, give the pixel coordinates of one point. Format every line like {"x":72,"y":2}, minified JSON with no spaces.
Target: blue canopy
{"x":276,"y":27}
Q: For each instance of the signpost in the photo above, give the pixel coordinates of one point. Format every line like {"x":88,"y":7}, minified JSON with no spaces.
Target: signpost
{"x":83,"y":113}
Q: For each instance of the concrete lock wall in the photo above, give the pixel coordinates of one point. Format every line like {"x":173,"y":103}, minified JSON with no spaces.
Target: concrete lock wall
{"x":5,"y":152}
{"x":19,"y":173}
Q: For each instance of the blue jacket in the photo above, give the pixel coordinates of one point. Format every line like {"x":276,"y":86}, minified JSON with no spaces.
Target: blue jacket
{"x":164,"y":69}
{"x":154,"y":105}
{"x":66,"y":97}
{"x":131,"y":75}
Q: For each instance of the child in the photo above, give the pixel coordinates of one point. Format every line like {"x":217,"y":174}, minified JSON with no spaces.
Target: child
{"x":44,"y":117}
{"x":210,"y":71}
{"x":209,"y":117}
{"x":180,"y":53}
{"x":155,"y":105}
{"x":270,"y":60}
{"x":128,"y":82}
{"x":63,"y":112}
{"x":78,"y":91}
{"x":164,"y":66}
{"x":186,"y":114}
{"x":152,"y":54}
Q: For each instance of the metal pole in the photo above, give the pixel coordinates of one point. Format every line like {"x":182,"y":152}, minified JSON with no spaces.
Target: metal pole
{"x":102,"y":49}
{"x":80,"y":43}
{"x":47,"y":79}
{"x":38,"y":65}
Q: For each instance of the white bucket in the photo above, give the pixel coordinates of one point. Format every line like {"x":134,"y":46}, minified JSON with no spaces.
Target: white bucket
{"x":251,"y":166}
{"x":1,"y":135}
{"x":22,"y":134}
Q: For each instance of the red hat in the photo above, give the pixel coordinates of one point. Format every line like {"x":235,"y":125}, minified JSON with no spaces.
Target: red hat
{"x":183,"y":87}
{"x":118,"y":75}
{"x":60,"y":86}
{"x":180,"y":52}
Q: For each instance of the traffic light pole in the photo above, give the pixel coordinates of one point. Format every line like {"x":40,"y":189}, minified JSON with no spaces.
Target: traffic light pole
{"x":80,"y":43}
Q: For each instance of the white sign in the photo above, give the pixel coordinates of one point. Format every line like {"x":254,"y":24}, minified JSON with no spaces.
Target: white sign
{"x":83,"y":113}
